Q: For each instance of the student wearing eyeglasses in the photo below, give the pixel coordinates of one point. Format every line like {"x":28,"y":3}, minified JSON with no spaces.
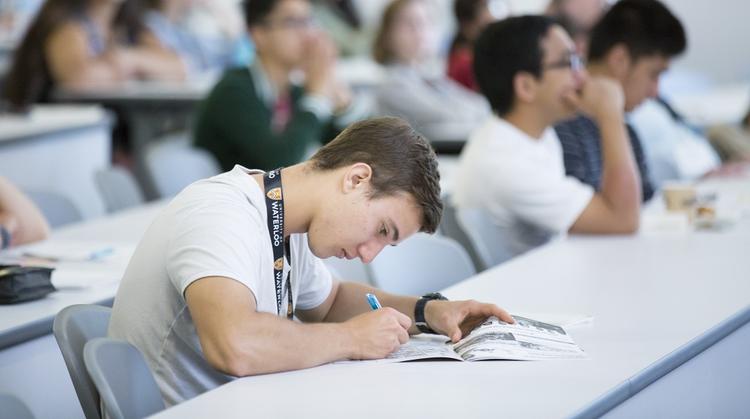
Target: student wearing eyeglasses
{"x":633,"y":44}
{"x":257,"y":115}
{"x":512,"y":167}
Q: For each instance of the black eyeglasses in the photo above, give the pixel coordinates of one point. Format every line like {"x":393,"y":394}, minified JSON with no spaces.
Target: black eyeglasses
{"x":573,"y":61}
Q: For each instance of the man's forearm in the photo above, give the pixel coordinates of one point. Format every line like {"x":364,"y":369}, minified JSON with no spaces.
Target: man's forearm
{"x":268,"y":343}
{"x":620,"y":183}
{"x":351,"y":301}
{"x":20,"y":216}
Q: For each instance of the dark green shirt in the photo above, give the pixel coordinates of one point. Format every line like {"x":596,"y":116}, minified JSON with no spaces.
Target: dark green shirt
{"x":234,"y":124}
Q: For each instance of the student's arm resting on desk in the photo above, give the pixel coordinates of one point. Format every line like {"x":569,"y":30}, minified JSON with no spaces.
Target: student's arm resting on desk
{"x":615,"y":209}
{"x":238,"y":340}
{"x":154,"y":61}
{"x":20,"y":216}
{"x":451,"y":318}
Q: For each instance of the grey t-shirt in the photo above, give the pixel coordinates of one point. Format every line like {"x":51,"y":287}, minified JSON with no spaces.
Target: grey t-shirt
{"x":215,"y":227}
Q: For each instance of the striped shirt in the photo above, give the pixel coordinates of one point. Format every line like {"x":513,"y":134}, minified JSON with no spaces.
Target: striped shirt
{"x":582,"y":153}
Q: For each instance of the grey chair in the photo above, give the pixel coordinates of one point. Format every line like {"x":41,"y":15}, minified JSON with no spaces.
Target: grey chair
{"x":173,"y":163}
{"x":12,"y":407}
{"x":118,"y":188}
{"x":421,"y":264}
{"x":74,"y":326}
{"x":486,"y":238}
{"x":122,"y":377}
{"x":450,"y":227}
{"x":57,"y":208}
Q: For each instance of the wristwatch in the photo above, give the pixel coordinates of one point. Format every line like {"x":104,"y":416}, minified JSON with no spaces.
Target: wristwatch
{"x":419,"y":319}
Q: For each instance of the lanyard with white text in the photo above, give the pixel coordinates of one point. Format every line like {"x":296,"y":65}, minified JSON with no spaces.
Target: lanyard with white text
{"x":275,"y":211}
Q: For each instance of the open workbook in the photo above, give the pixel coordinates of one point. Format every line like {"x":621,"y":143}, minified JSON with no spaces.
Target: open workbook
{"x":527,"y":340}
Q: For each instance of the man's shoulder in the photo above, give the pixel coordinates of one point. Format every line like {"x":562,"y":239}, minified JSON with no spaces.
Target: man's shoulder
{"x":234,"y":91}
{"x":235,"y":80}
{"x":228,"y":192}
{"x":498,"y":136}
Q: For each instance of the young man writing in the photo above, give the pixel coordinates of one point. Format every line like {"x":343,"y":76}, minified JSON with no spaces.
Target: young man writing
{"x":212,"y":288}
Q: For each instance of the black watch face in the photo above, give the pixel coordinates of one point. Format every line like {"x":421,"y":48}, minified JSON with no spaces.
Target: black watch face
{"x":434,"y":296}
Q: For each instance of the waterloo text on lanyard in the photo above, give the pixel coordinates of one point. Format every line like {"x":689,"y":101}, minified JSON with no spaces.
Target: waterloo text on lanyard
{"x":275,"y":211}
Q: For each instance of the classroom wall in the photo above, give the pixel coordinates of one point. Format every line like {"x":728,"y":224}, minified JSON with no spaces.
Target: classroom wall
{"x":717,"y":38}
{"x":717,"y":35}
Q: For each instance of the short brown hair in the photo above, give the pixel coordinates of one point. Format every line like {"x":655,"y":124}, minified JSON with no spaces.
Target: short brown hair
{"x":401,"y":160}
{"x":382,"y":51}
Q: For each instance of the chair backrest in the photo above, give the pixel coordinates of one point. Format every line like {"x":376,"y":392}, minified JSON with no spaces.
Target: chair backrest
{"x":57,"y":209}
{"x":74,"y":326}
{"x":123,"y":379}
{"x":12,"y":407}
{"x":118,"y":188}
{"x":173,"y":163}
{"x":349,"y":270}
{"x":450,"y":227}
{"x":485,"y":236}
{"x":421,"y":264}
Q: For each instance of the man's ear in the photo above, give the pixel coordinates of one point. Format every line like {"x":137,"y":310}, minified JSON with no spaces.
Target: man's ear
{"x":524,"y":87}
{"x":356,"y":177}
{"x":619,"y":61}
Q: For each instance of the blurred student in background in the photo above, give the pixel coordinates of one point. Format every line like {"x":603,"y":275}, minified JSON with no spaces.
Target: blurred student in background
{"x":21,"y":221}
{"x":78,"y":44}
{"x":512,"y":167}
{"x":471,"y":17}
{"x":342,"y":21}
{"x":433,"y":103}
{"x":167,"y":26}
{"x":257,"y":115}
{"x":732,"y":141}
{"x":578,"y":17}
{"x":632,"y":44}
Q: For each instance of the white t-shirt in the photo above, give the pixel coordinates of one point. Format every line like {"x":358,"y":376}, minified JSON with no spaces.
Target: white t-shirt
{"x":519,"y":182}
{"x":215,"y":227}
{"x":673,"y":151}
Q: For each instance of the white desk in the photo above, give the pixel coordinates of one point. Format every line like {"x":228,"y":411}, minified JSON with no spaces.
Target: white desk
{"x":149,"y":108}
{"x":658,"y":301}
{"x":31,"y":366}
{"x":58,"y":149}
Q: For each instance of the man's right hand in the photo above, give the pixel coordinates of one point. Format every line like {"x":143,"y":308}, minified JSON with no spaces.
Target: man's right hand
{"x":599,"y":97}
{"x":377,"y":333}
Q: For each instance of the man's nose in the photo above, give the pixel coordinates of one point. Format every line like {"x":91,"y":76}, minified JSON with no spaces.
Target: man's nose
{"x":369,"y":250}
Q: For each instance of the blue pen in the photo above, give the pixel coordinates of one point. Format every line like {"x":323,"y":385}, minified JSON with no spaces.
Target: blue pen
{"x":99,"y":254}
{"x":373,"y":300}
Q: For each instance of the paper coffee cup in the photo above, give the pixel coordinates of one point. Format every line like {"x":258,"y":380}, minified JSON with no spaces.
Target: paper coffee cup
{"x":679,"y":197}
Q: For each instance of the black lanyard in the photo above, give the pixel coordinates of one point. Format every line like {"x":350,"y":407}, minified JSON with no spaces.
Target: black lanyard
{"x":275,"y":219}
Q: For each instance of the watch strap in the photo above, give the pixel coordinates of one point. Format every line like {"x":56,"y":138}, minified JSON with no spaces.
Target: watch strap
{"x":419,"y":317}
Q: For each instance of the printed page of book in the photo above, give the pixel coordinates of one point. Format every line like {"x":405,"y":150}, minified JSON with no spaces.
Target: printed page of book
{"x":527,"y":340}
{"x":564,"y":320}
{"x":419,"y":347}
